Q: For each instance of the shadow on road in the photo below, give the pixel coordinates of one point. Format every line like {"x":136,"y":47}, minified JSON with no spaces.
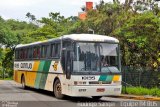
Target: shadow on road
{"x":68,"y":98}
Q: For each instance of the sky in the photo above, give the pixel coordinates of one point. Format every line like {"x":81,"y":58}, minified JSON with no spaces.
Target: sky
{"x":17,"y":9}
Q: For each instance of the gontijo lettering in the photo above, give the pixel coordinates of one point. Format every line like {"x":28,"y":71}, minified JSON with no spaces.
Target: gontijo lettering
{"x":23,"y":65}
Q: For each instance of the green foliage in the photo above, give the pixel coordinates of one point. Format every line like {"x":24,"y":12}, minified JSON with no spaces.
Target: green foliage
{"x":12,"y":32}
{"x":141,"y":91}
{"x":30,"y":16}
{"x":135,"y":28}
{"x":105,"y":19}
{"x":21,"y":29}
{"x":137,"y":35}
{"x":54,"y":26}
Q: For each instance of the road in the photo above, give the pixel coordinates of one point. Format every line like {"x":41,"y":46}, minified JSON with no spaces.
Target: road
{"x":12,"y":95}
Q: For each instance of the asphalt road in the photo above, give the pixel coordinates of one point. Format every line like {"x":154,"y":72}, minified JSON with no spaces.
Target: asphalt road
{"x":12,"y":95}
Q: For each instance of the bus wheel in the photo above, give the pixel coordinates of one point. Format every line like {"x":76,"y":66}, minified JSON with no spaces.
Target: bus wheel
{"x":96,"y":97}
{"x":58,"y":89}
{"x":23,"y":82}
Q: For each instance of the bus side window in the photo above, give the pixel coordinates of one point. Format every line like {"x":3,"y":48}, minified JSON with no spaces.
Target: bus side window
{"x":25,"y":53}
{"x":16,"y":54}
{"x":18,"y":57}
{"x":22,"y":54}
{"x":55,"y":50}
{"x":52,"y":50}
{"x":30,"y":53}
{"x":36,"y":52}
{"x":44,"y":51}
{"x":47,"y":51}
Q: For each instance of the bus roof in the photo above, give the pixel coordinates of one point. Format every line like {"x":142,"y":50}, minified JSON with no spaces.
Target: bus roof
{"x":91,"y":37}
{"x":77,"y":37}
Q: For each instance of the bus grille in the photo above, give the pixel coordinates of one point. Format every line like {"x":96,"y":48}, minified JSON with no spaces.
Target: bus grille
{"x":100,"y":82}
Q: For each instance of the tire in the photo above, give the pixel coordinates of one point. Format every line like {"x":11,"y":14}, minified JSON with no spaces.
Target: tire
{"x":96,"y":97}
{"x":23,"y":82}
{"x":58,"y":89}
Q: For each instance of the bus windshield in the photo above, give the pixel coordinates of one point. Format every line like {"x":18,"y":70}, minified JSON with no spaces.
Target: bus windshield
{"x":95,"y":57}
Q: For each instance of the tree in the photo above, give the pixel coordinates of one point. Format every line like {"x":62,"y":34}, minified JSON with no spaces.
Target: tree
{"x":30,"y":17}
{"x":54,"y":26}
{"x":138,"y":34}
{"x":12,"y":32}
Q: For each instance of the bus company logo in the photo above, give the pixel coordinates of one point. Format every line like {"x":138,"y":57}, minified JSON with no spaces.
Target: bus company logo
{"x":88,"y":78}
{"x":55,"y":65}
{"x":26,"y":65}
{"x":23,"y":65}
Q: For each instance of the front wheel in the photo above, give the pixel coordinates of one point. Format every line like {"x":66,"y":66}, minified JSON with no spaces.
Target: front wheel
{"x":58,"y":89}
{"x":96,"y":97}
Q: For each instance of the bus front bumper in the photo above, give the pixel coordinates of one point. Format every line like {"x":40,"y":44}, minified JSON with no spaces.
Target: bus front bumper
{"x":94,"y":90}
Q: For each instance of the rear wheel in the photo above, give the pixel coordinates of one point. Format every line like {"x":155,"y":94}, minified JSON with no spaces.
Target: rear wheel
{"x":58,"y":89}
{"x":96,"y":97}
{"x":23,"y":82}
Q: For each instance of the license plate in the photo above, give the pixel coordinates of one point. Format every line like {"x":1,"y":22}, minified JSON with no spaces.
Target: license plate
{"x":100,"y":89}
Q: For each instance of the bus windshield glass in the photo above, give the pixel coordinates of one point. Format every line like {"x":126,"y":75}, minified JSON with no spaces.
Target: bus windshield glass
{"x":95,"y":57}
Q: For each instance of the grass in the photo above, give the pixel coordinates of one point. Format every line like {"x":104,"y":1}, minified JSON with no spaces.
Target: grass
{"x":8,"y":78}
{"x":141,"y":91}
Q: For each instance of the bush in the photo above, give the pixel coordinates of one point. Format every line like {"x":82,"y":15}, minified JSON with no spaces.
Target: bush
{"x":141,"y":91}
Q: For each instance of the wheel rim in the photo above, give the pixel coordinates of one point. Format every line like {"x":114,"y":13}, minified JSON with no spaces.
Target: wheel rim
{"x":58,"y":89}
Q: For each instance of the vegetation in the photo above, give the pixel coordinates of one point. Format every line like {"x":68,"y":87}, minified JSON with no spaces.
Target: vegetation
{"x":12,"y":32}
{"x":141,"y":91}
{"x":135,"y":23}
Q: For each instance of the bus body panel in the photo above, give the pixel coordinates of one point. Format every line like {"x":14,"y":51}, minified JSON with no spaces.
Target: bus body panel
{"x":41,"y":80}
{"x":36,"y":72}
{"x":111,"y":84}
{"x":92,"y":90}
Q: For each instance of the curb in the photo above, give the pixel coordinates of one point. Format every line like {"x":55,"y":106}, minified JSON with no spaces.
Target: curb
{"x":150,"y":98}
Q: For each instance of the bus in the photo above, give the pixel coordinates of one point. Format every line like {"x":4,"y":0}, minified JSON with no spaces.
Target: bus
{"x":80,"y":65}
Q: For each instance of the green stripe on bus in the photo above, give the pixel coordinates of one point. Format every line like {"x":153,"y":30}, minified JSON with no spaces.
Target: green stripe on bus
{"x":41,"y":66}
{"x":109,"y":78}
{"x":47,"y":66}
{"x":38,"y":76}
{"x":106,"y":78}
{"x":102,"y":78}
{"x":45,"y":75}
